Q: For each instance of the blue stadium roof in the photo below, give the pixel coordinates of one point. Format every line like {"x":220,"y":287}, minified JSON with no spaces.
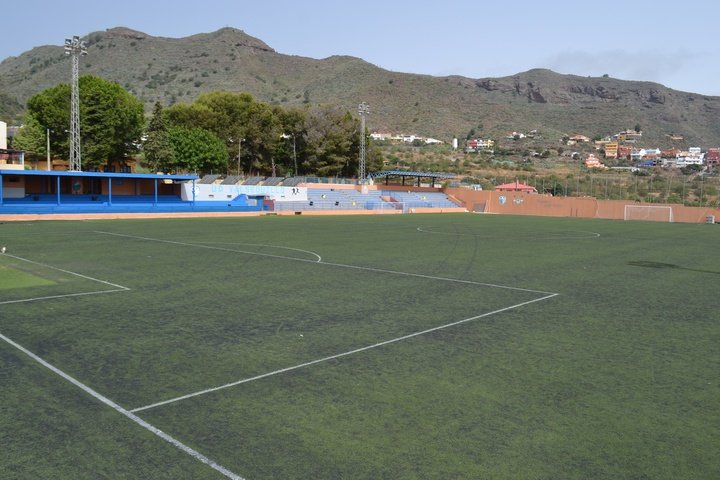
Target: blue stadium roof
{"x":407,"y":173}
{"x":63,"y":173}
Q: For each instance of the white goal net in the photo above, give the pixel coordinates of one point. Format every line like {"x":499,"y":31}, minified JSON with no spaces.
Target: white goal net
{"x":650,"y":213}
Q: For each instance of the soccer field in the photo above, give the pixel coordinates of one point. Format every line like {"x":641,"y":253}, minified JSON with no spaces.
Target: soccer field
{"x":371,"y":347}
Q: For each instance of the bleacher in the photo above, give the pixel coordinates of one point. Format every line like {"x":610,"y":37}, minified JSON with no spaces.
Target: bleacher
{"x":231,"y":180}
{"x":292,"y":181}
{"x":253,"y":180}
{"x":273,"y":181}
{"x":421,"y":199}
{"x":340,"y":199}
{"x":207,"y":179}
{"x":330,"y":198}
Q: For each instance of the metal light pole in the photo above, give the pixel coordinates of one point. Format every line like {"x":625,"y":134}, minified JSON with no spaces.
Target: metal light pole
{"x":48,"y":150}
{"x":239,"y":153}
{"x":363,"y":110}
{"x":286,"y":136}
{"x":75,"y":48}
{"x":240,"y":140}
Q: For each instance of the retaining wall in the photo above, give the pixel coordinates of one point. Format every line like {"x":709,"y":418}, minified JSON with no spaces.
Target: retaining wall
{"x":518,"y":203}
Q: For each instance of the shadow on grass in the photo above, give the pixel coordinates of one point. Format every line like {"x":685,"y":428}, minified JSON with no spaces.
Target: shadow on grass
{"x":646,"y":264}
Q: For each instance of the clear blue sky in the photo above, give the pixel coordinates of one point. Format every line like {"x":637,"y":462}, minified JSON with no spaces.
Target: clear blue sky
{"x":669,"y":42}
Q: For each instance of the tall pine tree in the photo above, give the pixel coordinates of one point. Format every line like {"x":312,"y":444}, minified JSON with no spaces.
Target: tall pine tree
{"x":159,"y":154}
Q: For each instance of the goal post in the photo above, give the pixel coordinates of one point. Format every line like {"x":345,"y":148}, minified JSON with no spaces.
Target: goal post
{"x":649,"y":213}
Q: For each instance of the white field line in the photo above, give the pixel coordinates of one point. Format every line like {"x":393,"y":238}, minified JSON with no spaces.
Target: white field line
{"x":339,"y":355}
{"x":568,"y":236}
{"x":69,"y":272}
{"x":319,"y":258}
{"x":176,"y":443}
{"x":340,"y":265}
{"x":51,"y":297}
{"x":210,"y":247}
{"x":118,"y":288}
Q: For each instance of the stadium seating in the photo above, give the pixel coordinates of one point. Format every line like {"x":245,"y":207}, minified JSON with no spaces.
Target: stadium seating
{"x":253,"y":180}
{"x":421,"y":199}
{"x":231,"y":180}
{"x":207,"y":179}
{"x":273,"y":181}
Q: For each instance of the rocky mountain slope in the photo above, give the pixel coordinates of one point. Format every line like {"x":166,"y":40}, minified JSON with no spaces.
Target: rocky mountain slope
{"x":173,"y":70}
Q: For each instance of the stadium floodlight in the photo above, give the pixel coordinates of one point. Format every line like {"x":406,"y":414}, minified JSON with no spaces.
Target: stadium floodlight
{"x":363,"y":110}
{"x":287,"y":136}
{"x":75,"y":48}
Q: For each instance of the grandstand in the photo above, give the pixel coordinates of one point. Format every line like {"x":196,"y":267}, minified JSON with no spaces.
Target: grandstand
{"x":231,"y":180}
{"x":328,"y":198}
{"x":273,"y":181}
{"x":27,"y":191}
{"x":292,"y":182}
{"x":420,"y":199}
{"x":208,"y":179}
{"x":253,"y":180}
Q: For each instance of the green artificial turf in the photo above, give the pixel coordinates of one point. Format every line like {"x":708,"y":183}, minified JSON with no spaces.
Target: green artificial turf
{"x":585,"y":349}
{"x":11,"y":278}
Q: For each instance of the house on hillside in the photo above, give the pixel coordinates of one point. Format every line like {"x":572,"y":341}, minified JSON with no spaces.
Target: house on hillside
{"x":628,"y":136}
{"x":516,"y":186}
{"x":479,"y":145}
{"x":611,"y":150}
{"x":593,"y":162}
{"x":624,"y":152}
{"x":671,"y":153}
{"x":693,"y":156}
{"x":712,"y":157}
{"x":577,"y":138}
{"x":381,"y":135}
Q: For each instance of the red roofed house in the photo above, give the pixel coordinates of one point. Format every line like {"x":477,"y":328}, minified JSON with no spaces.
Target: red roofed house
{"x":516,"y":187}
{"x":712,"y":157}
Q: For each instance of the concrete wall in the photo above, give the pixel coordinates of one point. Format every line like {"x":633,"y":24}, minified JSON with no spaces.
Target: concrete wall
{"x":516,"y":203}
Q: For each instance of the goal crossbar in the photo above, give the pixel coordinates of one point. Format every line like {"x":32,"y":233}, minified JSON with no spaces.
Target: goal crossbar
{"x":650,"y":213}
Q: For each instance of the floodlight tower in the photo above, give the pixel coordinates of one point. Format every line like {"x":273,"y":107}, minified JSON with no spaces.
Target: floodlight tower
{"x":363,"y":110}
{"x":75,"y":48}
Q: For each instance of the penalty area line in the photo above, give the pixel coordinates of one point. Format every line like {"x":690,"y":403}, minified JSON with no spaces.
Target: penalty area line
{"x":339,"y":355}
{"x":120,"y":287}
{"x":171,"y":440}
{"x":52,"y":297}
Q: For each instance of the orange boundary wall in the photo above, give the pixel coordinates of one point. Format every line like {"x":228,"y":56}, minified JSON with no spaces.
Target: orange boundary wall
{"x":518,"y":203}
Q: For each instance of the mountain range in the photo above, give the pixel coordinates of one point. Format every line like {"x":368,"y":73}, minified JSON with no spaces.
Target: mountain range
{"x":172,"y":70}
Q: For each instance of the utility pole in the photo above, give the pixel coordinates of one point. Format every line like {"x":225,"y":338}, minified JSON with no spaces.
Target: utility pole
{"x":75,"y":48}
{"x":363,"y":110}
{"x":49,"y":166}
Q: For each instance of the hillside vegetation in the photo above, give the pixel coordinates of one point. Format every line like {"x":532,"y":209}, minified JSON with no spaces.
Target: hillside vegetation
{"x":173,"y":71}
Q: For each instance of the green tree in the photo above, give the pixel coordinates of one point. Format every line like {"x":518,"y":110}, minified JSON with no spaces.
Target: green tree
{"x":31,"y":138}
{"x":291,"y":149}
{"x":197,"y":150}
{"x":159,"y":154}
{"x":111,"y":119}
{"x":234,"y":116}
{"x":333,"y":142}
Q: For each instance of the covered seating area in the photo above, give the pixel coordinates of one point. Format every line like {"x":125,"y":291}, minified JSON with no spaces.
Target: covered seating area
{"x":403,"y":174}
{"x":38,"y":191}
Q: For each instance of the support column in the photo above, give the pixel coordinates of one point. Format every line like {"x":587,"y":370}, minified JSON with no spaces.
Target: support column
{"x":109,"y":191}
